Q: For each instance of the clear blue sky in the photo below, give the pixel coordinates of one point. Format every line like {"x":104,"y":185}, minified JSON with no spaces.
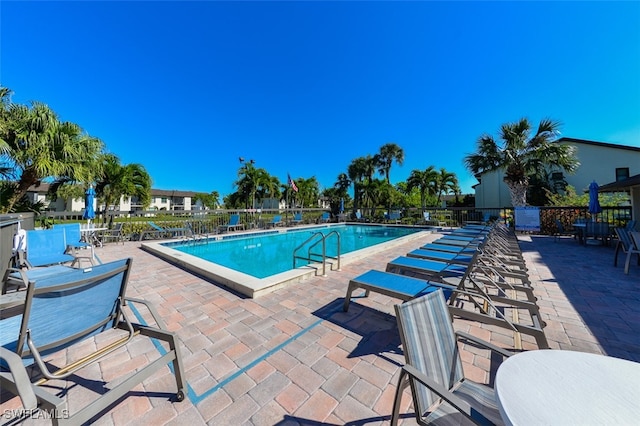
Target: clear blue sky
{"x":185,"y":88}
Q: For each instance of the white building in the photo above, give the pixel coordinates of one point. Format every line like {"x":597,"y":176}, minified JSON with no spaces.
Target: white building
{"x":603,"y":162}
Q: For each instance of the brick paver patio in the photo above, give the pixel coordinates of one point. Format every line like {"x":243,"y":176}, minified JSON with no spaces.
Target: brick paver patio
{"x":293,"y":357}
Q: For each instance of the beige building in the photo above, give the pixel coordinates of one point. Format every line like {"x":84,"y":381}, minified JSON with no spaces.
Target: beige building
{"x":160,"y":200}
{"x":603,"y":162}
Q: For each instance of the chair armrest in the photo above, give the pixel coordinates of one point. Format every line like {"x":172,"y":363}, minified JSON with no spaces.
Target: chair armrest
{"x":457,"y":402}
{"x":151,"y":309}
{"x":466,"y":336}
{"x":20,"y":378}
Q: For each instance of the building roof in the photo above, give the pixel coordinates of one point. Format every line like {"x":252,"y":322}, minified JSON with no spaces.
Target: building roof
{"x":41,"y":188}
{"x":602,"y":144}
{"x":171,"y":193}
{"x":621,"y":185}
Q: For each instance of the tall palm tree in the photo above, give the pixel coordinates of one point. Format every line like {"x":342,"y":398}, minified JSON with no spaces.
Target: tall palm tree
{"x":446,"y":183}
{"x":519,"y":155}
{"x":425,"y":181}
{"x":389,"y":153}
{"x":38,"y":145}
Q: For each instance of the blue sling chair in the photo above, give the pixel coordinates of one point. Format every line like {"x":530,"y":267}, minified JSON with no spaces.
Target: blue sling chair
{"x":61,"y":311}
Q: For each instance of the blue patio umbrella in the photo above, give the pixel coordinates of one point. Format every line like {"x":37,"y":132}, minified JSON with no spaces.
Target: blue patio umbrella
{"x":341,"y":205}
{"x":594,"y":203}
{"x":89,"y":211}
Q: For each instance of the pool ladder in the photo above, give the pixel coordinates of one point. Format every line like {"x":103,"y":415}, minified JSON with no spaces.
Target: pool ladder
{"x":318,"y":238}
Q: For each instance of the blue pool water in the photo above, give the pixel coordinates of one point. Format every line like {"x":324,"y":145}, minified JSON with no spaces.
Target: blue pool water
{"x":266,"y":254}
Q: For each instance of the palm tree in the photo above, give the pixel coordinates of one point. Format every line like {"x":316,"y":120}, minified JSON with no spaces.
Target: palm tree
{"x":372,"y":193}
{"x":446,"y":183}
{"x":389,"y":153}
{"x":357,"y":171}
{"x":308,"y":191}
{"x":250,"y":179}
{"x":519,"y":155}
{"x":268,"y":186}
{"x":117,"y":181}
{"x":342,"y":184}
{"x":38,"y":146}
{"x":425,"y":181}
{"x":5,"y":118}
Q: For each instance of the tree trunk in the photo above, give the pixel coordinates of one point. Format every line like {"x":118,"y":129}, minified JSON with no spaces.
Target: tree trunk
{"x":518,"y":191}
{"x":27,"y":179}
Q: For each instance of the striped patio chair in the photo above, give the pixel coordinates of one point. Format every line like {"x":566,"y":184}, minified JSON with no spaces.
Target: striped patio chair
{"x":441,"y":393}
{"x":627,"y":245}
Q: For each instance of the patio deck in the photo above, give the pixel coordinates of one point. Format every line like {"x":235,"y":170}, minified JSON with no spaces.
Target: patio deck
{"x":293,"y":357}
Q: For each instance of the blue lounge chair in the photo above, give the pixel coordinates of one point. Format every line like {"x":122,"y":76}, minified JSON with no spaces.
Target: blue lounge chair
{"x":74,"y":240}
{"x":471,"y":290}
{"x":61,"y":311}
{"x":425,"y":268}
{"x":393,"y":285}
{"x":394,"y":216}
{"x":325,"y":218}
{"x":234,"y":224}
{"x":276,"y":221}
{"x":73,"y":236}
{"x":297,"y":219}
{"x":449,"y":249}
{"x":360,"y":217}
{"x":160,"y":232}
{"x":47,"y":247}
{"x":441,"y":256}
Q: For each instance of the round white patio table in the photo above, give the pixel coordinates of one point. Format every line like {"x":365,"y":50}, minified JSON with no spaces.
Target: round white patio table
{"x":555,"y":387}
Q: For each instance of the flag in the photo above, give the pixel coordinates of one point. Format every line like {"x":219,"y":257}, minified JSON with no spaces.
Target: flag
{"x":292,"y":183}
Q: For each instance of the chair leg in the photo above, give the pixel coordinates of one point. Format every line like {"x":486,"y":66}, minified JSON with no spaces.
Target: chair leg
{"x":615,"y":255}
{"x":627,"y":262}
{"x":347,"y":299}
{"x":403,"y":382}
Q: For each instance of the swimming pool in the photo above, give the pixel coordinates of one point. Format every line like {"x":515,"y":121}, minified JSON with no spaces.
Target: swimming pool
{"x":261,"y":261}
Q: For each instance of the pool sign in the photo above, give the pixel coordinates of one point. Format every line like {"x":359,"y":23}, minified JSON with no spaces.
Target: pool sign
{"x":527,"y":219}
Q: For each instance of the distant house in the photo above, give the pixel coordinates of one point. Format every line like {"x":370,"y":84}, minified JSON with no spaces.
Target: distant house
{"x":599,"y":161}
{"x":160,"y":200}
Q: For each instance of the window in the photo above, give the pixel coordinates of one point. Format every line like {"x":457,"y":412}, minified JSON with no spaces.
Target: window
{"x":622,"y":173}
{"x":557,"y":176}
{"x":163,"y":200}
